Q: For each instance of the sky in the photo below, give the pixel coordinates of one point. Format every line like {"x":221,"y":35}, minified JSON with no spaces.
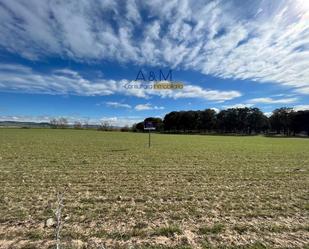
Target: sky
{"x":76,"y":59}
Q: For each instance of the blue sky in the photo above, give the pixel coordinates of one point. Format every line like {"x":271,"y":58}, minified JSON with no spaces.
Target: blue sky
{"x":73,"y":58}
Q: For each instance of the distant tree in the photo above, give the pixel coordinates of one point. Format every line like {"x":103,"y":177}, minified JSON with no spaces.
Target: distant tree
{"x":59,"y":123}
{"x":105,"y":126}
{"x":53,"y":123}
{"x":236,"y":120}
{"x":62,"y":123}
{"x":125,"y":129}
{"x":280,"y":120}
{"x":188,"y":120}
{"x":257,"y":121}
{"x":78,"y":125}
{"x":296,"y":125}
{"x":299,"y":122}
{"x":171,"y":121}
{"x":138,"y":127}
{"x":227,"y":120}
{"x":206,"y":120}
{"x":86,"y":123}
{"x":305,"y":121}
{"x":242,"y":125}
{"x":242,"y":120}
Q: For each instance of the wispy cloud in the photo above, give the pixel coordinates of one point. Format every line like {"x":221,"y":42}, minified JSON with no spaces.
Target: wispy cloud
{"x":302,"y":90}
{"x":120,"y":121}
{"x":148,"y":106}
{"x":118,"y":105}
{"x":240,"y":105}
{"x":64,"y":81}
{"x":301,"y":107}
{"x":191,"y":91}
{"x":268,"y":100}
{"x":246,"y":42}
{"x":264,"y":100}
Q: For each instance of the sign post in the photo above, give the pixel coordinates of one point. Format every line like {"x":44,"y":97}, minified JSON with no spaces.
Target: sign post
{"x":149,"y":139}
{"x":149,"y":126}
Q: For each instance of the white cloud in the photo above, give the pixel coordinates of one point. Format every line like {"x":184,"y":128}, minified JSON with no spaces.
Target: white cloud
{"x":237,"y":106}
{"x":148,"y":106}
{"x":302,"y":90}
{"x":118,"y":105}
{"x":191,"y":91}
{"x":217,"y":38}
{"x":301,"y":107}
{"x":215,"y":109}
{"x":39,"y":118}
{"x":121,"y":121}
{"x":268,"y":100}
{"x":65,"y":81}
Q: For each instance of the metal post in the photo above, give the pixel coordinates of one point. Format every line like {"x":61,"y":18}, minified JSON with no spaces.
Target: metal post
{"x":149,"y":139}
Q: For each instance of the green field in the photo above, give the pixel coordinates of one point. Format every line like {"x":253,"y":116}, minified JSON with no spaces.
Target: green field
{"x":187,"y":191}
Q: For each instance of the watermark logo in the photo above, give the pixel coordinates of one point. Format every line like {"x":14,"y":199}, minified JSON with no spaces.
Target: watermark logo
{"x":154,"y":80}
{"x":152,"y":76}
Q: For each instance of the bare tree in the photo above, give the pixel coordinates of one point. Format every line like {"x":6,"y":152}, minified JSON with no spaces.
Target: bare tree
{"x":105,"y":126}
{"x":78,"y":125}
{"x":125,"y":128}
{"x":86,"y":123}
{"x":54,"y":123}
{"x":62,"y":122}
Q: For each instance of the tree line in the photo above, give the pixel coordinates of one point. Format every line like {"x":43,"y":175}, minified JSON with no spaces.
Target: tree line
{"x":63,"y":123}
{"x":103,"y":125}
{"x":233,"y":120}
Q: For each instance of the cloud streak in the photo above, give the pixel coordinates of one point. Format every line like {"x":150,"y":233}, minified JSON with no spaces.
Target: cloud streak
{"x":147,"y":107}
{"x":301,"y":107}
{"x":246,"y":43}
{"x":268,"y":100}
{"x":118,"y":105}
{"x":64,"y":81}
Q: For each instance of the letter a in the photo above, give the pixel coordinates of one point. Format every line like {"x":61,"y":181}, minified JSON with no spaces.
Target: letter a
{"x":140,"y":76}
